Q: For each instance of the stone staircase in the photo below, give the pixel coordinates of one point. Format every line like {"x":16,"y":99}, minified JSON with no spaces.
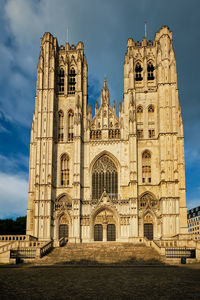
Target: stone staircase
{"x":101,"y":253}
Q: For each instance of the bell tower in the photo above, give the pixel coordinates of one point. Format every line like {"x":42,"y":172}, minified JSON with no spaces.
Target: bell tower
{"x":57,"y":131}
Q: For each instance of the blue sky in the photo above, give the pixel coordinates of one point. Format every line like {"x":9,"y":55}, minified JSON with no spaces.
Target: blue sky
{"x":104,"y":27}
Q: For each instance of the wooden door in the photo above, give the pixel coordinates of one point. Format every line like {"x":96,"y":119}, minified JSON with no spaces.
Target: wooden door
{"x":148,"y":231}
{"x":98,"y":232}
{"x":111,"y":232}
{"x":63,"y":231}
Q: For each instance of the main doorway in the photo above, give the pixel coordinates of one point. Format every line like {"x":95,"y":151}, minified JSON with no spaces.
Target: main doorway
{"x":148,"y":231}
{"x":108,"y":231}
{"x":105,"y":226}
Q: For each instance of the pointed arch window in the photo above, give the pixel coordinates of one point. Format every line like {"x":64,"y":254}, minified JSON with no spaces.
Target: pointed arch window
{"x":61,"y":81}
{"x":150,"y":71}
{"x":72,"y":81}
{"x":151,"y":114}
{"x":138,"y":72}
{"x":60,"y":126}
{"x":139,"y":113}
{"x":139,"y":109}
{"x":104,"y":177}
{"x":64,"y":170}
{"x":146,"y":167}
{"x":151,"y":109}
{"x":70,"y":125}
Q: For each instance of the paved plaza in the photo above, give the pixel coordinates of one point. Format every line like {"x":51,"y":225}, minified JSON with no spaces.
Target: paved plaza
{"x":135,"y":282}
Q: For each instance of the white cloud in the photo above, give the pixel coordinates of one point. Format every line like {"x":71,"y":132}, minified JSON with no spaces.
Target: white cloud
{"x":13,"y":195}
{"x":24,"y":19}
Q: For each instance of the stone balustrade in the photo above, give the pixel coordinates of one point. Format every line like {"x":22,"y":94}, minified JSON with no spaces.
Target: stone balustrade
{"x":44,"y":249}
{"x":14,"y":237}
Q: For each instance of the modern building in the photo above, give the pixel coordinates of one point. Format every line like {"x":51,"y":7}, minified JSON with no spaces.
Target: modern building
{"x":120,"y":174}
{"x":193,"y":220}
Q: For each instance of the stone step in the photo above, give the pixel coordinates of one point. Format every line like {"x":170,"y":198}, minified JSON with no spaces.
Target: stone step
{"x":108,"y":253}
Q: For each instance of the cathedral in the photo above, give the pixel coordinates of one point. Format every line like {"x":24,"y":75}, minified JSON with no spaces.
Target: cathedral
{"x":117,"y":175}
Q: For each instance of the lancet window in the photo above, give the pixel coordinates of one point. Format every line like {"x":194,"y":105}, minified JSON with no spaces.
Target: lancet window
{"x":138,"y":72}
{"x":64,"y":170}
{"x":146,"y":167}
{"x":60,"y":126}
{"x":70,"y":125}
{"x":139,"y":113}
{"x":150,"y":71}
{"x":72,"y":81}
{"x":61,"y":81}
{"x":151,"y":113}
{"x":140,"y":133}
{"x":104,"y":177}
{"x":151,"y":109}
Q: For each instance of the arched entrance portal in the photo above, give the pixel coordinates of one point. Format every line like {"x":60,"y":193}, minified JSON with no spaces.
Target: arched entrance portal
{"x":105,"y":226}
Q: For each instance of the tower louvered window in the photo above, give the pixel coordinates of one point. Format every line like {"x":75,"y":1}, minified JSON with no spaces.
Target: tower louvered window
{"x":72,"y":81}
{"x":104,"y":177}
{"x":70,"y":125}
{"x":150,"y":71}
{"x":138,"y":72}
{"x":65,"y":170}
{"x":60,"y":126}
{"x":61,"y":81}
{"x":146,"y":167}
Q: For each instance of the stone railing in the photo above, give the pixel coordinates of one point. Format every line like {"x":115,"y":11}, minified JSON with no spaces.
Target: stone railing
{"x":14,"y":237}
{"x":62,"y":241}
{"x":20,"y":244}
{"x":45,"y":249}
{"x":179,"y":243}
{"x":59,"y":243}
{"x":188,"y":236}
{"x":154,"y":245}
{"x":27,"y":253}
{"x":8,"y":246}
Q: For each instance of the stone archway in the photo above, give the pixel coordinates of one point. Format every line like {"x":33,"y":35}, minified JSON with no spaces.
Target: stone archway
{"x":105,"y":226}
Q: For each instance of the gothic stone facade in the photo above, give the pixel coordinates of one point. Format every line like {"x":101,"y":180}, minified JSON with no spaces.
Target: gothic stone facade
{"x":111,"y":176}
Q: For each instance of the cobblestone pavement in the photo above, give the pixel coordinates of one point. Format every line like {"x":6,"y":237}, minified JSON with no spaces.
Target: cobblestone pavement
{"x":135,"y":282}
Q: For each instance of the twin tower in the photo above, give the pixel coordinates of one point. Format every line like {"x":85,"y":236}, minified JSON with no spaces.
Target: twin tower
{"x":114,"y":176}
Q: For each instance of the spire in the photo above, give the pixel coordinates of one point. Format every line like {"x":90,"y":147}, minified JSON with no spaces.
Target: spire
{"x":105,"y":83}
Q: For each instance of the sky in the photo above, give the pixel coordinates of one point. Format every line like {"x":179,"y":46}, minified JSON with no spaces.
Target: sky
{"x":104,"y":27}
